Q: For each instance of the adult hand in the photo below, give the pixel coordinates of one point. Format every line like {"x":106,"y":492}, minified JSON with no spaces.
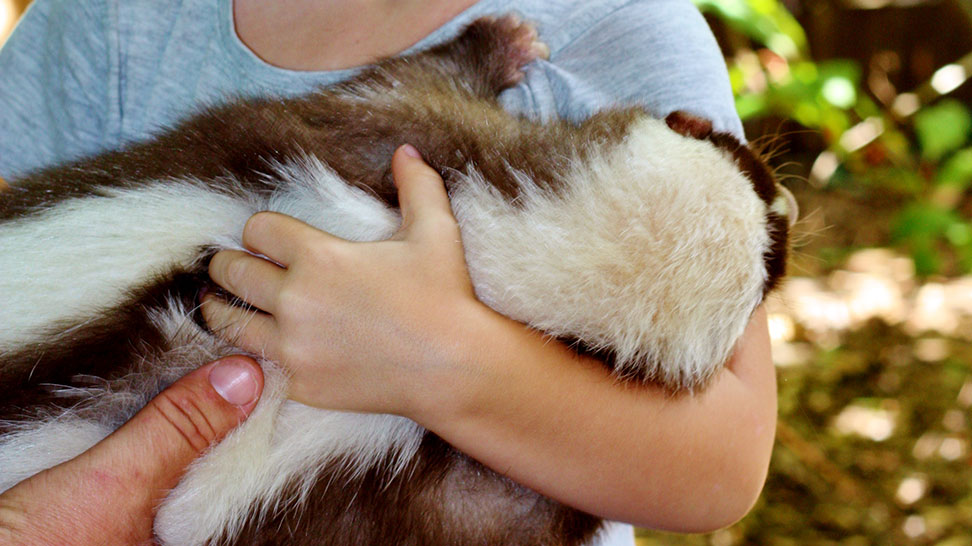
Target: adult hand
{"x":361,"y":326}
{"x":108,"y":494}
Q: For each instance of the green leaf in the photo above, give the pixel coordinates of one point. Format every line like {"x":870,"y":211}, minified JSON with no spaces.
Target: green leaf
{"x":923,"y":221}
{"x":965,"y":257}
{"x":921,"y":226}
{"x":959,"y":234}
{"x":926,"y":257}
{"x":806,"y":72}
{"x":943,"y":128}
{"x":751,"y":106}
{"x":957,"y":170}
{"x":840,"y":92}
{"x":838,"y":82}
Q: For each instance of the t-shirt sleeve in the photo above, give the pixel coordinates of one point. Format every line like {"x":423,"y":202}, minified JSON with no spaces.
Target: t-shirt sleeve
{"x":658,"y":53}
{"x":54,"y":85}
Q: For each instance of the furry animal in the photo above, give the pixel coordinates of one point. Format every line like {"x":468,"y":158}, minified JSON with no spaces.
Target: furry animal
{"x":648,"y":243}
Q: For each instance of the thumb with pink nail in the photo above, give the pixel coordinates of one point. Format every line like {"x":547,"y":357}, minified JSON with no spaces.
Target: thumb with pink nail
{"x":108,"y":494}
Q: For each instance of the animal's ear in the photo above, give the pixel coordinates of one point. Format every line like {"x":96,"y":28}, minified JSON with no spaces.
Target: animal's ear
{"x":689,"y":125}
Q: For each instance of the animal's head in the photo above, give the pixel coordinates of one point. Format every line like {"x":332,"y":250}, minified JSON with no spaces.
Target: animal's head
{"x":781,"y":208}
{"x":653,"y":255}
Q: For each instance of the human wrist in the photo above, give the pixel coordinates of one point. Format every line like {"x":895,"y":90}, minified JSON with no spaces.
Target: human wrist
{"x":495,"y":367}
{"x":460,"y":375}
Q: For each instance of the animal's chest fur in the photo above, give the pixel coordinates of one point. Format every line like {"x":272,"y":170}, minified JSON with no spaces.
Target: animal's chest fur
{"x":646,"y":242}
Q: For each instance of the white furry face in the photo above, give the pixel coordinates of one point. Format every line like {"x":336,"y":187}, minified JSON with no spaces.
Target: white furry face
{"x":654,"y":251}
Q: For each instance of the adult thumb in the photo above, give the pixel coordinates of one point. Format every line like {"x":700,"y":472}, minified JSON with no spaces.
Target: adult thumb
{"x":153,"y":449}
{"x":108,"y":494}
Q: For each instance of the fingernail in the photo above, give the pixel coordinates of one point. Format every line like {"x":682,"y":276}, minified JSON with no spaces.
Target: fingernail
{"x":234,"y":381}
{"x":410,"y":151}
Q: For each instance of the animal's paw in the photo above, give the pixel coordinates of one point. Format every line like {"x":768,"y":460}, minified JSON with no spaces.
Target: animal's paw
{"x":513,"y":42}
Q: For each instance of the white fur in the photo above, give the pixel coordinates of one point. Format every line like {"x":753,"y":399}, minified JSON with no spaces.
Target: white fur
{"x":285,"y":441}
{"x":654,"y":250}
{"x":80,"y":256}
{"x":317,"y":195}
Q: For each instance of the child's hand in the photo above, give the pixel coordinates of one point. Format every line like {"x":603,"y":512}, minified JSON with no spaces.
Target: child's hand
{"x":362,"y":326}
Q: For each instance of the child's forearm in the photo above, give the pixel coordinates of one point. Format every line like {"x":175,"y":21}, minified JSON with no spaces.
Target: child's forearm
{"x":564,"y":427}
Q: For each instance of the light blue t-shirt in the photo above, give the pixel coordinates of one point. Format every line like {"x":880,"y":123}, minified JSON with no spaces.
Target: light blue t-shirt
{"x":81,"y":76}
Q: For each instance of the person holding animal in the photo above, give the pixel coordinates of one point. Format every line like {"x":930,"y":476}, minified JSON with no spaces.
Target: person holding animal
{"x":521,"y":404}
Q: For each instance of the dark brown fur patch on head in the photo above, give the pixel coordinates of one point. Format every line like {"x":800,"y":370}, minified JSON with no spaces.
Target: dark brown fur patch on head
{"x":762,"y":179}
{"x":776,"y":254}
{"x":688,"y":125}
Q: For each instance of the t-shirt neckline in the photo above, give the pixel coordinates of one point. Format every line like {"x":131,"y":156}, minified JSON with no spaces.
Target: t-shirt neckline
{"x":255,"y":67}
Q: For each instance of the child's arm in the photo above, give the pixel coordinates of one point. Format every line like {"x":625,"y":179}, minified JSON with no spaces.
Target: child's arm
{"x":394,"y":327}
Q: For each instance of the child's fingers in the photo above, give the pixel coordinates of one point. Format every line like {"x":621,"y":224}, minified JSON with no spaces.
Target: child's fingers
{"x":245,"y":328}
{"x":280,"y":237}
{"x":421,"y":191}
{"x":252,"y":279}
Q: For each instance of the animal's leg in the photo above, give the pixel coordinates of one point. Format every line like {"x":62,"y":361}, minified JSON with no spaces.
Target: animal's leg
{"x":491,"y":52}
{"x":484,"y":59}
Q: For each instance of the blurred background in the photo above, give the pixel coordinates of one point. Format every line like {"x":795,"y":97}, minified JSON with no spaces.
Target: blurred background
{"x":863,"y":108}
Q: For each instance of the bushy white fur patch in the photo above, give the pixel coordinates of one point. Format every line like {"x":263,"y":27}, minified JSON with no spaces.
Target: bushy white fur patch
{"x":654,"y":250}
{"x":80,"y":256}
{"x":280,"y":444}
{"x":317,"y":195}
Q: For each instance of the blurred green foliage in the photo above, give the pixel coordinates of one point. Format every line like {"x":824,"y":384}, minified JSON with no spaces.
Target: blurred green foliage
{"x":920,"y":154}
{"x":765,"y":21}
{"x":828,"y":487}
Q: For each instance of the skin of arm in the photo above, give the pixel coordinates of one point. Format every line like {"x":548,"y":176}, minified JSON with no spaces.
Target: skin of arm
{"x":394,"y":327}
